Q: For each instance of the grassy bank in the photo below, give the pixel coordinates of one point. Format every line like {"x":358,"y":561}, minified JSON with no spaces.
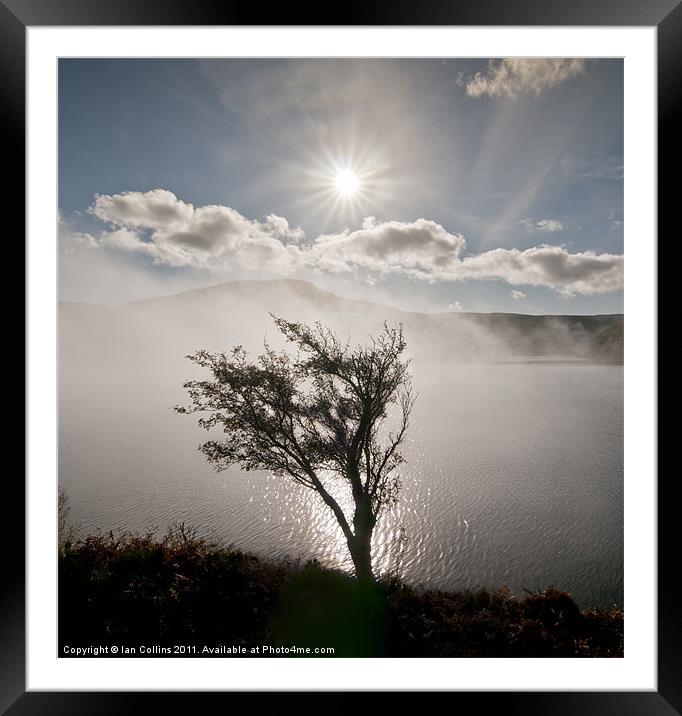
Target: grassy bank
{"x":179,"y":589}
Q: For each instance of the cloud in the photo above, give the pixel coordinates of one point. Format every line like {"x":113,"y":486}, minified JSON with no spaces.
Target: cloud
{"x":515,"y":77}
{"x":173,"y":233}
{"x":419,"y":248}
{"x":425,"y":250}
{"x":542,"y":226}
{"x":71,"y":240}
{"x":551,"y":266}
{"x":517,"y":295}
{"x":279,"y":226}
{"x":456,"y":306}
{"x":158,"y":224}
{"x":158,"y":208}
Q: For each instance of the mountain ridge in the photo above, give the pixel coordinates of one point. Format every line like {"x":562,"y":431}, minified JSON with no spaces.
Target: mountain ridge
{"x":241,"y":308}
{"x":301,"y":282}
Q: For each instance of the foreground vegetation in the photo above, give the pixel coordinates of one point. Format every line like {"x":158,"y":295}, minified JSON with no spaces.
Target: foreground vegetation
{"x":179,"y":589}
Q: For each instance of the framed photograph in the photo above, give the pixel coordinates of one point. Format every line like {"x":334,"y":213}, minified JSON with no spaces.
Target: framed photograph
{"x":334,"y":357}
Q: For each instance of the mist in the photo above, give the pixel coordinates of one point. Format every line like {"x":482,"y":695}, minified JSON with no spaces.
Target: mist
{"x":514,"y":453}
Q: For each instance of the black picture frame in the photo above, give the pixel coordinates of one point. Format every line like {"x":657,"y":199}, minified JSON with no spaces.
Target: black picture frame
{"x":17,"y":15}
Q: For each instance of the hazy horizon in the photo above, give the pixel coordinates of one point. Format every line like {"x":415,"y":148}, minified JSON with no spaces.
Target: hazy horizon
{"x":376,"y":303}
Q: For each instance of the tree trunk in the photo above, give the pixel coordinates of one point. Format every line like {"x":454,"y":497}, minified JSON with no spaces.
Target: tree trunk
{"x":360,"y":545}
{"x":360,"y":548}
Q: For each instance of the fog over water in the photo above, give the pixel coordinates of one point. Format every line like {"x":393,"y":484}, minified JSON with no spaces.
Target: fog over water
{"x":514,"y":464}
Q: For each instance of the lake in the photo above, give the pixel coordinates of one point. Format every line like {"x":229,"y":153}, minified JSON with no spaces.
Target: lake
{"x":514,"y":476}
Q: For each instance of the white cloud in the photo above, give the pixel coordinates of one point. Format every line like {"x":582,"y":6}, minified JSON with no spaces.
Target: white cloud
{"x":517,"y":295}
{"x":71,"y":240}
{"x":425,"y":250}
{"x":126,"y":240}
{"x":418,"y":248}
{"x":174,"y":233}
{"x":456,"y":306}
{"x":551,"y":266}
{"x":542,"y":225}
{"x":155,"y":209}
{"x":278,"y":226}
{"x":513,"y":77}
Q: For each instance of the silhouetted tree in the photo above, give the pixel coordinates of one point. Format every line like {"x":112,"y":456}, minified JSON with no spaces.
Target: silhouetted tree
{"x":315,"y":417}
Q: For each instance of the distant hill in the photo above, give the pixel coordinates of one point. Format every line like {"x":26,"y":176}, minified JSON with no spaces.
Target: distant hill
{"x":598,"y":338}
{"x":219,"y":316}
{"x":607,"y":343}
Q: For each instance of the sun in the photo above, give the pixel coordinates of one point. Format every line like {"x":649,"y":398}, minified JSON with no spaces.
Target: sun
{"x":345,"y":187}
{"x":346,"y":183}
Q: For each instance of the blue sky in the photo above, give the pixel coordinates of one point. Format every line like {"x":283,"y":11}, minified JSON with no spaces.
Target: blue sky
{"x":476,"y":185}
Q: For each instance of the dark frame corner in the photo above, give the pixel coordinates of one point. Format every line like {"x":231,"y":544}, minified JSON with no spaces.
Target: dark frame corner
{"x":17,"y":15}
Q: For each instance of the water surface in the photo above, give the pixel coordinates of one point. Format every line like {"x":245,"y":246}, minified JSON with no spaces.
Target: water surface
{"x":514,"y":476}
